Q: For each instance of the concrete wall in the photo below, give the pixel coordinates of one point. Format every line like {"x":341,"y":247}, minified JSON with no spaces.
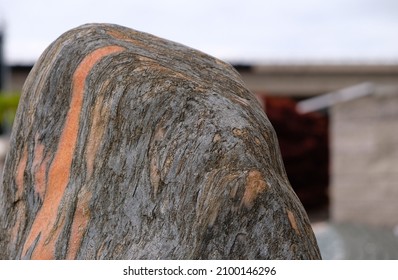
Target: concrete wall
{"x":364,"y":160}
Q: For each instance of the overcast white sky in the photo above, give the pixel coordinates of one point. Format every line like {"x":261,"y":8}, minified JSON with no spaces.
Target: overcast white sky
{"x":237,"y":31}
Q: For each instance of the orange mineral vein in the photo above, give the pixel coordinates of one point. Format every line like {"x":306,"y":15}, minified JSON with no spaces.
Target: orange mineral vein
{"x":46,"y":221}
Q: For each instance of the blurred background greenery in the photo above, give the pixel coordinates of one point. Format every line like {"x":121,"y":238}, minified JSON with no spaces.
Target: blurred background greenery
{"x":8,"y":107}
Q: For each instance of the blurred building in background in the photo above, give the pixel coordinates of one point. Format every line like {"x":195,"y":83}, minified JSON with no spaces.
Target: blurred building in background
{"x":16,"y":76}
{"x":341,"y":153}
{"x":364,"y":153}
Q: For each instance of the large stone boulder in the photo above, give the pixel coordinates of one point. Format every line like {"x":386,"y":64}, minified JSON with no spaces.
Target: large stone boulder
{"x":128,"y":146}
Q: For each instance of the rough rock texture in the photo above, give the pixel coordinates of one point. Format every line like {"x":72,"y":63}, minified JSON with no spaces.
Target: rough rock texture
{"x":128,"y":146}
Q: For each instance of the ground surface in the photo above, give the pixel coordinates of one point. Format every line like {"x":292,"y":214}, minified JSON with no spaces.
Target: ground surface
{"x":355,"y":242}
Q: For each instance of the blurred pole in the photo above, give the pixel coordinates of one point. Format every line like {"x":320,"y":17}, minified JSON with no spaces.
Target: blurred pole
{"x":2,"y":66}
{"x":332,"y":98}
{"x":4,"y":71}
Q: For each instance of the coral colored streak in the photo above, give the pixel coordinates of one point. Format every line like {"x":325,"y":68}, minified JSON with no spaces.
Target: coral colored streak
{"x":46,"y":220}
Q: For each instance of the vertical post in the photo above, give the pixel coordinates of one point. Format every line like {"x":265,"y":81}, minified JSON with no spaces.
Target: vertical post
{"x":2,"y":63}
